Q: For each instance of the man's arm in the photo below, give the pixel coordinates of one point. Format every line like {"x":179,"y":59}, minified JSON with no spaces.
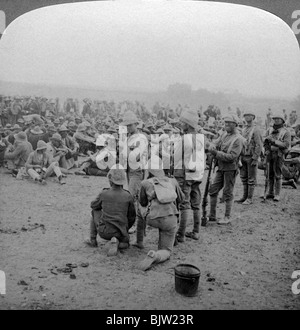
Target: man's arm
{"x":286,"y":143}
{"x":258,"y":144}
{"x":97,"y":203}
{"x":14,"y":154}
{"x":29,"y":164}
{"x":234,"y":152}
{"x":143,"y":199}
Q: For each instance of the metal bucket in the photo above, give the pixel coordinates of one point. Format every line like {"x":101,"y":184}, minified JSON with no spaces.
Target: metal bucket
{"x":187,"y":279}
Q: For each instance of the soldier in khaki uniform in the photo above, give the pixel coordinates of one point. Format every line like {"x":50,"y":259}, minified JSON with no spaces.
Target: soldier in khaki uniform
{"x":250,"y":154}
{"x":277,"y":144}
{"x":226,"y":150}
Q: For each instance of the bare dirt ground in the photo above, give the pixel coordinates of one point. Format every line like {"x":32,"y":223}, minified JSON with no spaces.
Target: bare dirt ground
{"x":247,"y":265}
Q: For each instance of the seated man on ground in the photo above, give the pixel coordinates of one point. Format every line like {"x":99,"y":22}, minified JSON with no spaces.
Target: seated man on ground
{"x":101,"y":161}
{"x":4,"y":144}
{"x":291,"y":168}
{"x":17,"y":155}
{"x":58,"y":152}
{"x":113,"y":213}
{"x":71,"y":157}
{"x":40,"y":165}
{"x":85,"y":142}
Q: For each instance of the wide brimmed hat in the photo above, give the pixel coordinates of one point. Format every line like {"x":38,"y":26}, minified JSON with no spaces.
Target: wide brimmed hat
{"x":249,"y":113}
{"x":63,"y":128}
{"x":56,"y":137}
{"x":190,"y":117}
{"x":129,"y":118}
{"x":278,"y":115}
{"x":72,"y":124}
{"x":16,"y":126}
{"x":81,"y":128}
{"x":21,"y":136}
{"x":51,"y":128}
{"x":149,"y":124}
{"x":112,"y":130}
{"x":168,"y":128}
{"x":36,"y":130}
{"x":117,"y":176}
{"x":159,"y":131}
{"x":231,"y":117}
{"x":160,"y":123}
{"x":41,"y":145}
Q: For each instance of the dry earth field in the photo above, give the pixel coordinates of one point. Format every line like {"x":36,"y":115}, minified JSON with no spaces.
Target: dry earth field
{"x":247,"y":265}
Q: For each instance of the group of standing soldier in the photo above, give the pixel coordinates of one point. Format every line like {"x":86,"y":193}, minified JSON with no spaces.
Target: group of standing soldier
{"x":167,"y":198}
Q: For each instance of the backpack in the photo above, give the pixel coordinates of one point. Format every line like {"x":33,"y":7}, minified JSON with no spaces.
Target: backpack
{"x":164,"y":190}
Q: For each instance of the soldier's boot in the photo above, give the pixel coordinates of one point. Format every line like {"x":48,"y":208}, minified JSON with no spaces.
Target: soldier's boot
{"x":195,"y":233}
{"x":213,"y":208}
{"x":249,"y":199}
{"x":139,"y":234}
{"x":245,"y":194}
{"x":227,"y":218}
{"x":271,"y":190}
{"x":151,"y":258}
{"x":112,"y":247}
{"x":277,"y":190}
{"x":185,"y":216}
{"x":92,"y":242}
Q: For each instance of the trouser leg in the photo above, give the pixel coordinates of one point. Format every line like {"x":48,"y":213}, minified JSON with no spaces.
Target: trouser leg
{"x":229,"y":182}
{"x":93,"y":229}
{"x":184,"y":207}
{"x":195,"y":204}
{"x":244,"y":173}
{"x":214,"y":189}
{"x":33,"y":174}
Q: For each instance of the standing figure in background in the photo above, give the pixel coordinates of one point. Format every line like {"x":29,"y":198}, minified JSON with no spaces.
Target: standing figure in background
{"x":251,"y":152}
{"x":277,"y":144}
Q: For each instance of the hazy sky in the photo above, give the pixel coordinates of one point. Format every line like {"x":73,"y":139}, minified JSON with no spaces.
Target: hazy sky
{"x":151,"y":44}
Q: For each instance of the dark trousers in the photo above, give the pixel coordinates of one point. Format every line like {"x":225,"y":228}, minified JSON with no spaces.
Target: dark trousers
{"x":248,"y":173}
{"x":276,"y":163}
{"x":224,"y":179}
{"x":192,"y":194}
{"x":106,"y":231}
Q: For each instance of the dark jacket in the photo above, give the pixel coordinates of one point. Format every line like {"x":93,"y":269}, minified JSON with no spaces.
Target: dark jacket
{"x":114,"y":206}
{"x":19,"y":156}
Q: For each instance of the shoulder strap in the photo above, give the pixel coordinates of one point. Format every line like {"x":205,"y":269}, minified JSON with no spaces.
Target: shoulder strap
{"x":281,"y":134}
{"x":251,"y":134}
{"x":232,"y":143}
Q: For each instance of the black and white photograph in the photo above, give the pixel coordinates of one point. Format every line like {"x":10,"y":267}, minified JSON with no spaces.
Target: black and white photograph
{"x":149,"y":157}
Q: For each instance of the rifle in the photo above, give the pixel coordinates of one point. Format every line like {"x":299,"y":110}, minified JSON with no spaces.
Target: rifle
{"x":205,"y":200}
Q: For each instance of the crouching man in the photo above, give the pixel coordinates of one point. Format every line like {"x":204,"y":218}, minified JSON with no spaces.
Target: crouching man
{"x":41,"y":165}
{"x":113,"y":213}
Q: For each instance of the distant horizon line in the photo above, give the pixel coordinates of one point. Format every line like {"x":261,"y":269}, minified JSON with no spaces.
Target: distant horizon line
{"x":145,"y":90}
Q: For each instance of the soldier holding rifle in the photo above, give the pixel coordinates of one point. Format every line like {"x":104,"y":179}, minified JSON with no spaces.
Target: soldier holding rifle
{"x":226,"y":150}
{"x":276,"y":144}
{"x":250,"y":154}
